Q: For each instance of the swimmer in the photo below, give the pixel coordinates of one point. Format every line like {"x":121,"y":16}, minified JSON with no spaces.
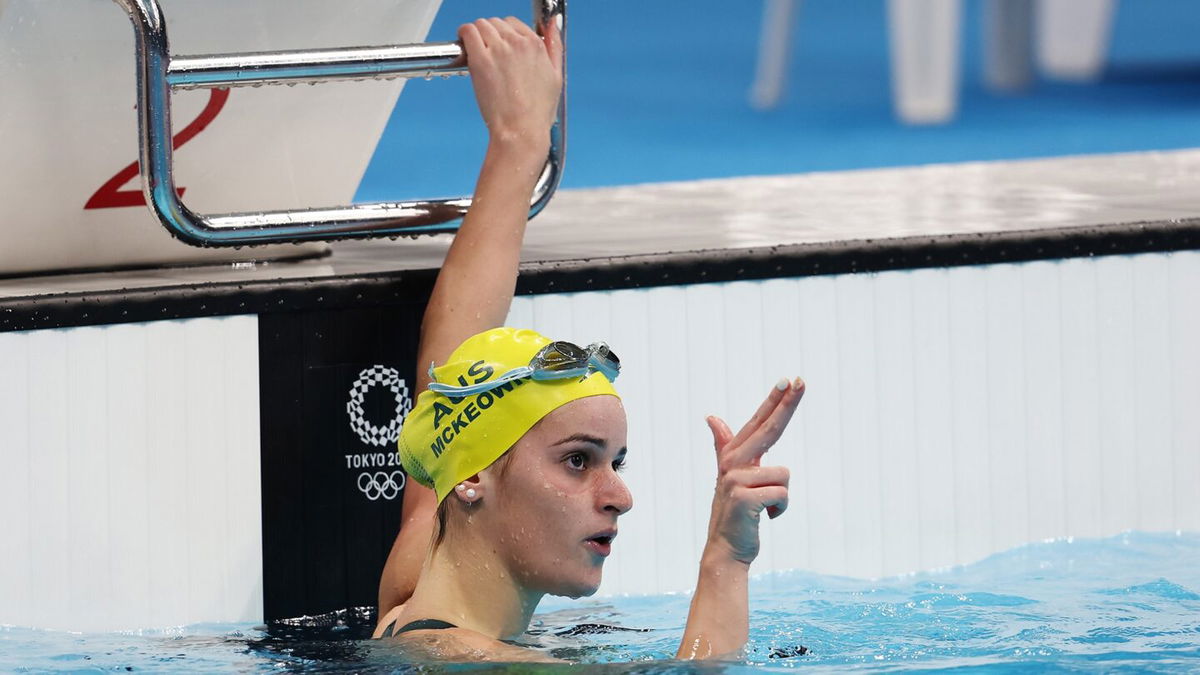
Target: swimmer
{"x":516,"y":442}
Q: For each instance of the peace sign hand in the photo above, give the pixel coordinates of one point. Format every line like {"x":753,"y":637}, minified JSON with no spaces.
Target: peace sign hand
{"x":744,"y":487}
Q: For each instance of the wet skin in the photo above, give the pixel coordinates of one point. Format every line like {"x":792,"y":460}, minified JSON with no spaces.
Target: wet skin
{"x":559,"y":496}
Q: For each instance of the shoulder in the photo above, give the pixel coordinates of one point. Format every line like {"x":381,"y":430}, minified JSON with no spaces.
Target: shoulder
{"x":461,"y":644}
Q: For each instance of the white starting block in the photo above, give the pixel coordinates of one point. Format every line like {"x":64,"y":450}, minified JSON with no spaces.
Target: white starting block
{"x":71,"y":196}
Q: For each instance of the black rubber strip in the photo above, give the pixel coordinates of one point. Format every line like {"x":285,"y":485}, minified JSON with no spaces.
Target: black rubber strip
{"x":599,"y":273}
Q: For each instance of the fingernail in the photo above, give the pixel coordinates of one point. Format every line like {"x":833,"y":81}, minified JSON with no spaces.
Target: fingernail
{"x":782,"y":384}
{"x":797,"y":383}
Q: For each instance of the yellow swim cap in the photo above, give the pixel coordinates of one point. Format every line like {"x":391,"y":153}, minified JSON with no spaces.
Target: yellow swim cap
{"x":446,"y":440}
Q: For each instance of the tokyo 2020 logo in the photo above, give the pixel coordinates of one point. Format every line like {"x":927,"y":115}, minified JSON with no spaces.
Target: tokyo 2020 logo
{"x":378,"y":376}
{"x":387,"y":484}
{"x":381,"y":484}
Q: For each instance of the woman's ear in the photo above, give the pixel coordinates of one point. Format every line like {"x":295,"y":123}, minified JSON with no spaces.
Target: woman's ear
{"x":470,"y":490}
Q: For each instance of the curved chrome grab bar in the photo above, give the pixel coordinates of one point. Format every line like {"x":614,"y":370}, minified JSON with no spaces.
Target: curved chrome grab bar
{"x":158,"y":73}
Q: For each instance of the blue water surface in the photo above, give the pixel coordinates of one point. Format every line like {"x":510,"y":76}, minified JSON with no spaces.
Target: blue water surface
{"x":1125,"y":604}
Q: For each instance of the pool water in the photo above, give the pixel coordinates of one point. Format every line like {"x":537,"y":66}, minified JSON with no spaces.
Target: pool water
{"x":1127,"y":603}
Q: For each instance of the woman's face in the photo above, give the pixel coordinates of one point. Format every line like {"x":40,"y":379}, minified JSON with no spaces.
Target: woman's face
{"x":554,"y":507}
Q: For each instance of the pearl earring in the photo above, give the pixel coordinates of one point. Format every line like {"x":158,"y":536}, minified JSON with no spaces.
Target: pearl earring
{"x":460,"y":487}
{"x":471,"y":493}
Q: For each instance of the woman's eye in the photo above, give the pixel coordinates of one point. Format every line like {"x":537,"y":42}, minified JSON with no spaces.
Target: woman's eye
{"x":619,"y":465}
{"x":577,"y":460}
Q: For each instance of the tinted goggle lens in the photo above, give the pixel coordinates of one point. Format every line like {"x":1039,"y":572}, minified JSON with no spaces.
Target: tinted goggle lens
{"x":565,"y":356}
{"x":558,"y":356}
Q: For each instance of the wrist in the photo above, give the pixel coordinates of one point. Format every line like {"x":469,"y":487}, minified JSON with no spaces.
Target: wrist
{"x":520,"y":144}
{"x":718,"y":560}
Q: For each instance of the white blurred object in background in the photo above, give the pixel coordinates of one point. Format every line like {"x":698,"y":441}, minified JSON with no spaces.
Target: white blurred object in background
{"x":925,"y":64}
{"x":1071,"y":43}
{"x":1073,"y":36}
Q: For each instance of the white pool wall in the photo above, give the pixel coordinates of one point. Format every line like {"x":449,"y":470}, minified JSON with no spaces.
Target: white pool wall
{"x":950,"y":414}
{"x":129,"y":475}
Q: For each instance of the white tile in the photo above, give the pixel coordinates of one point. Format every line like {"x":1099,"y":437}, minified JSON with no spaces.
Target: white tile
{"x":16,"y":569}
{"x":1150,"y":396}
{"x":896,"y":387}
{"x":1082,"y":379}
{"x":204,"y":388}
{"x":1007,"y":440}
{"x":970,"y":412}
{"x":553,"y":316}
{"x":932,"y":380}
{"x":520,"y":313}
{"x":243,"y":507}
{"x":128,"y":476}
{"x":49,"y":470}
{"x":1118,"y":434}
{"x":1185,"y":387}
{"x":1043,"y":398}
{"x":244,"y":561}
{"x":668,"y":412}
{"x":167,"y":469}
{"x":89,"y":458}
{"x":823,"y":483}
{"x":859,"y":418}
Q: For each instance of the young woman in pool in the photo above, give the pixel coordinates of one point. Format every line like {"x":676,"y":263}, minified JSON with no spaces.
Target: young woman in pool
{"x":522,"y":439}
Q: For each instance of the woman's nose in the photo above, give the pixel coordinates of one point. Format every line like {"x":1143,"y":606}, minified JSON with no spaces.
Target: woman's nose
{"x":616,"y":495}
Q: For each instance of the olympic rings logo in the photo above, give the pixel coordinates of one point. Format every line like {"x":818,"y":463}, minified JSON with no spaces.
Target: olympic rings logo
{"x":368,"y":379}
{"x":381,"y":484}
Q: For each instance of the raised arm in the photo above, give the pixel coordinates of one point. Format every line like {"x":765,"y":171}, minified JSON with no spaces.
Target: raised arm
{"x":719,"y":620}
{"x":517,"y":77}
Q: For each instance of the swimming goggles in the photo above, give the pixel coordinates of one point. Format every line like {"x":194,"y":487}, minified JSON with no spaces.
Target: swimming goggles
{"x":556,"y":361}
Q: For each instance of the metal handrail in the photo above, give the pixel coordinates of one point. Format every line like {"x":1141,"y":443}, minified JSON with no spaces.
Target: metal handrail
{"x":158,"y":73}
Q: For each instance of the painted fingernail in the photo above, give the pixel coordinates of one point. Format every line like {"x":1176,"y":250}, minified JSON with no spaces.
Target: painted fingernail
{"x":782,"y":384}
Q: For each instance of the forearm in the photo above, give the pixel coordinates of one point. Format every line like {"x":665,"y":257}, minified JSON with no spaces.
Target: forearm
{"x":475,"y":287}
{"x":719,"y":619}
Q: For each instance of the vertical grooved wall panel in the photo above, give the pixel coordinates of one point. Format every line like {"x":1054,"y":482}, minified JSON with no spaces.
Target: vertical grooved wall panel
{"x":129,"y":469}
{"x":950,"y":413}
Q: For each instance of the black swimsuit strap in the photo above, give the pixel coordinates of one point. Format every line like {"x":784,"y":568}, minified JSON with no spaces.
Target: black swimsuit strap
{"x":419,"y":624}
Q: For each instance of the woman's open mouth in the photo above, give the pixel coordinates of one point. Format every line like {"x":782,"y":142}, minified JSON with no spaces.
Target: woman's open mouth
{"x":601,"y":544}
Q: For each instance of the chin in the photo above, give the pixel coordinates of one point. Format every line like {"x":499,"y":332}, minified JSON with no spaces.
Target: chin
{"x":577,"y":588}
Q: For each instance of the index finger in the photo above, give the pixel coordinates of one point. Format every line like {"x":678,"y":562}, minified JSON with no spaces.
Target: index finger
{"x":764,"y":410}
{"x":767,"y":433}
{"x":472,"y":42}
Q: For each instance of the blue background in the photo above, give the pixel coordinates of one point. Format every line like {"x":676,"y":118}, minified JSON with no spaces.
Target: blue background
{"x":658,"y":92}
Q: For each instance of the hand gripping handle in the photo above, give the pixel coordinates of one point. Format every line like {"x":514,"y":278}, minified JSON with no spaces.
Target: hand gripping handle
{"x":158,"y":73}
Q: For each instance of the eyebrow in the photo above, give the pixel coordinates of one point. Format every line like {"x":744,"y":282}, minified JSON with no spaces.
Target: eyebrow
{"x":586,"y":438}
